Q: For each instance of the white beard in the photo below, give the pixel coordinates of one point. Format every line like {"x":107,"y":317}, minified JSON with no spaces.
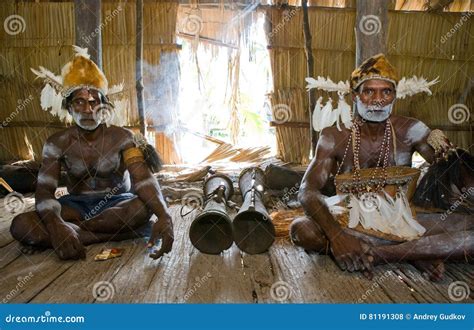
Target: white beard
{"x":77,"y":119}
{"x":373,"y":112}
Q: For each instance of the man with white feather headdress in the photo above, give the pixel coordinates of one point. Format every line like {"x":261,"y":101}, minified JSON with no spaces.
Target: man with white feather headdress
{"x":103,"y":163}
{"x":371,"y":220}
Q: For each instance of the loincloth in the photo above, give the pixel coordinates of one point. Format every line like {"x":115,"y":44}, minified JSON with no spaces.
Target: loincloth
{"x":386,"y":214}
{"x":91,"y":205}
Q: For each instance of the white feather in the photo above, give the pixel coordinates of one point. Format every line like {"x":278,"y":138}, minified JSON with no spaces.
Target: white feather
{"x":49,"y":77}
{"x":327,"y":85}
{"x":336,"y":114}
{"x":327,"y":118}
{"x":81,"y":51}
{"x":414,"y":85}
{"x":317,"y":115}
{"x":334,"y":200}
{"x":354,"y":212}
{"x":115,"y":89}
{"x":337,"y":210}
{"x":345,"y":111}
{"x":50,"y":99}
{"x":119,"y":113}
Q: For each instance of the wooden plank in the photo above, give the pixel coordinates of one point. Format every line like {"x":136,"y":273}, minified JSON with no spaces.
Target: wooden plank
{"x":6,"y":217}
{"x":76,"y":284}
{"x":316,"y":278}
{"x":186,"y":275}
{"x":40,"y":270}
{"x":423,"y":290}
{"x":156,"y":280}
{"x":9,"y":253}
{"x":191,"y":276}
{"x":226,"y":280}
{"x":260,"y":271}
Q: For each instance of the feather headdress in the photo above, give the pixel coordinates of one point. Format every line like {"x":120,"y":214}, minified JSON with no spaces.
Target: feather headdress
{"x":79,"y":73}
{"x":375,"y":67}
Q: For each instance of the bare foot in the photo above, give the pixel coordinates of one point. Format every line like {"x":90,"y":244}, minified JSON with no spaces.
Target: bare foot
{"x":31,"y":249}
{"x":432,"y":269}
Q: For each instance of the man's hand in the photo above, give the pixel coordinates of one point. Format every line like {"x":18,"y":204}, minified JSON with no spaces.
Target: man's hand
{"x":162,"y":228}
{"x":352,"y":254}
{"x":66,"y":243}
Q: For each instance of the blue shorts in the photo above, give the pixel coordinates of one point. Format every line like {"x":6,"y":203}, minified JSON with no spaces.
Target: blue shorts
{"x":91,"y":205}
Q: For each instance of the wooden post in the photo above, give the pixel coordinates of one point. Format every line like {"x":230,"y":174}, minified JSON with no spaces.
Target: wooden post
{"x":371,"y":28}
{"x":87,"y":15}
{"x":139,"y":67}
{"x":309,"y":72}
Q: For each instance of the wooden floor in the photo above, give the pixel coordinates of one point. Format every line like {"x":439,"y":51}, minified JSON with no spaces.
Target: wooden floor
{"x":284,"y":274}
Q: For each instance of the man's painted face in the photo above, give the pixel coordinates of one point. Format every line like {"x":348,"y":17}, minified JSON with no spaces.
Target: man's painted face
{"x":83,"y":106}
{"x":374,"y":101}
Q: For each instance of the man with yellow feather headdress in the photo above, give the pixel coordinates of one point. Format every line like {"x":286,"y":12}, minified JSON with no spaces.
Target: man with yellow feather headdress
{"x":371,"y":219}
{"x":103,"y":162}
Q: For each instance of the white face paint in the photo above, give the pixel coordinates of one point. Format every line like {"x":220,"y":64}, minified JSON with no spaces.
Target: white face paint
{"x":89,"y":123}
{"x":373,"y":112}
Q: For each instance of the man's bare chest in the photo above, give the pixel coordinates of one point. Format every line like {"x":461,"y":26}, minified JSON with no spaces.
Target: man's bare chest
{"x":98,"y":159}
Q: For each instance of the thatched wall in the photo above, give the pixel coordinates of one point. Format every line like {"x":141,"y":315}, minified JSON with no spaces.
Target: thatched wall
{"x":415,"y":48}
{"x":46,"y":41}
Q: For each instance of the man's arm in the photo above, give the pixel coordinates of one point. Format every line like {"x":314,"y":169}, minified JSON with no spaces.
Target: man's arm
{"x":148,"y":190}
{"x":314,"y":180}
{"x":420,"y":132}
{"x":350,"y":253}
{"x":64,"y":239}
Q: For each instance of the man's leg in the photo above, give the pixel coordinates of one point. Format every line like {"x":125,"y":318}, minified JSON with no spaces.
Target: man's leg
{"x":126,"y":216}
{"x":451,"y":239}
{"x":306,"y":233}
{"x":28,"y":229}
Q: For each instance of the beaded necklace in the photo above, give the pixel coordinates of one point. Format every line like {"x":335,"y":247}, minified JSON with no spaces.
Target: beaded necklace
{"x":379,"y":174}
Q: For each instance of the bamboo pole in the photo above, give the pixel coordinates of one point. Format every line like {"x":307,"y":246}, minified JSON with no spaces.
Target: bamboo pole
{"x":139,"y":67}
{"x":88,"y":32}
{"x":309,"y":72}
{"x":371,"y":28}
